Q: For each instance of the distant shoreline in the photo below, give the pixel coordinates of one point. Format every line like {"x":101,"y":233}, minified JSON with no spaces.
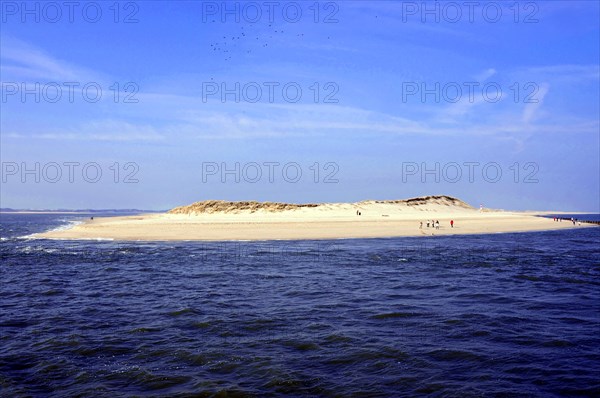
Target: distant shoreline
{"x":43,"y":212}
{"x":116,"y":212}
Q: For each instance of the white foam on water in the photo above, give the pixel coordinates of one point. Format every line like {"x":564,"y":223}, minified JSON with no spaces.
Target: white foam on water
{"x":37,"y":249}
{"x":69,"y":224}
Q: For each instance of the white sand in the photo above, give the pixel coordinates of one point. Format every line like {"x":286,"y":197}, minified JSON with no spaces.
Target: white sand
{"x":325,"y":221}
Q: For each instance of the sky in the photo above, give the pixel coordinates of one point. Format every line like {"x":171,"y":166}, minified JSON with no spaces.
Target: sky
{"x":151,"y":105}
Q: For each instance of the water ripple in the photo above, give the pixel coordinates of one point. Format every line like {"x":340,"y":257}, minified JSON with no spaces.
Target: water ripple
{"x":498,"y":315}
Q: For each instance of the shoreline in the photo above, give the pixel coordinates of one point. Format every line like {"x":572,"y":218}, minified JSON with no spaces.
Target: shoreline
{"x":303,"y":225}
{"x":40,"y":236}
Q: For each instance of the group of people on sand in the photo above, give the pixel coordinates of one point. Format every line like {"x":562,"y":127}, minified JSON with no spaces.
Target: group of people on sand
{"x":435,"y":224}
{"x":573,"y":220}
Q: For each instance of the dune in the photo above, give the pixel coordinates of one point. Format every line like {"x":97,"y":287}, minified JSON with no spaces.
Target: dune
{"x":222,"y":206}
{"x":250,"y":220}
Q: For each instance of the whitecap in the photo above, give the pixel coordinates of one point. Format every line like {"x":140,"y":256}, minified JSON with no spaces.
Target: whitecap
{"x":69,"y":224}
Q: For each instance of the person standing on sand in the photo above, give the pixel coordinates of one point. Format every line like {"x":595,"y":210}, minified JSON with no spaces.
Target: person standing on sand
{"x":437,"y":224}
{"x":451,"y":223}
{"x":427,"y":223}
{"x":421,"y":225}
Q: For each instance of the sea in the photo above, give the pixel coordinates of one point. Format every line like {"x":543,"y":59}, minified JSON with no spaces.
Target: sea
{"x":498,"y":315}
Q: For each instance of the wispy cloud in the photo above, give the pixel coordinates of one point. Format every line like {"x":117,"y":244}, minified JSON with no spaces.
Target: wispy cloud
{"x":96,"y":130}
{"x":310,"y":121}
{"x":484,"y":75}
{"x":162,"y":114}
{"x":563,"y":73}
{"x":531,"y":109}
{"x":22,"y":61}
{"x":455,"y":112}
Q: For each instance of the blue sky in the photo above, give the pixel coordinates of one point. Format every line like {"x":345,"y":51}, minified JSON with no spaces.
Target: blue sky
{"x":532,"y":70}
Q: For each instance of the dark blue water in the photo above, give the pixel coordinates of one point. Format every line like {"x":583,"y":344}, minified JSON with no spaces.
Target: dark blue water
{"x":577,"y":216}
{"x":490,"y":315}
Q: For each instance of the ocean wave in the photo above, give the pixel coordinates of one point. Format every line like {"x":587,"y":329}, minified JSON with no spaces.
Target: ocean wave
{"x":69,"y":224}
{"x":63,"y":227}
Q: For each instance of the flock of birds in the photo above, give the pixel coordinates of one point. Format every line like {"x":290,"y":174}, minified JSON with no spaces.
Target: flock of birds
{"x":246,"y":39}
